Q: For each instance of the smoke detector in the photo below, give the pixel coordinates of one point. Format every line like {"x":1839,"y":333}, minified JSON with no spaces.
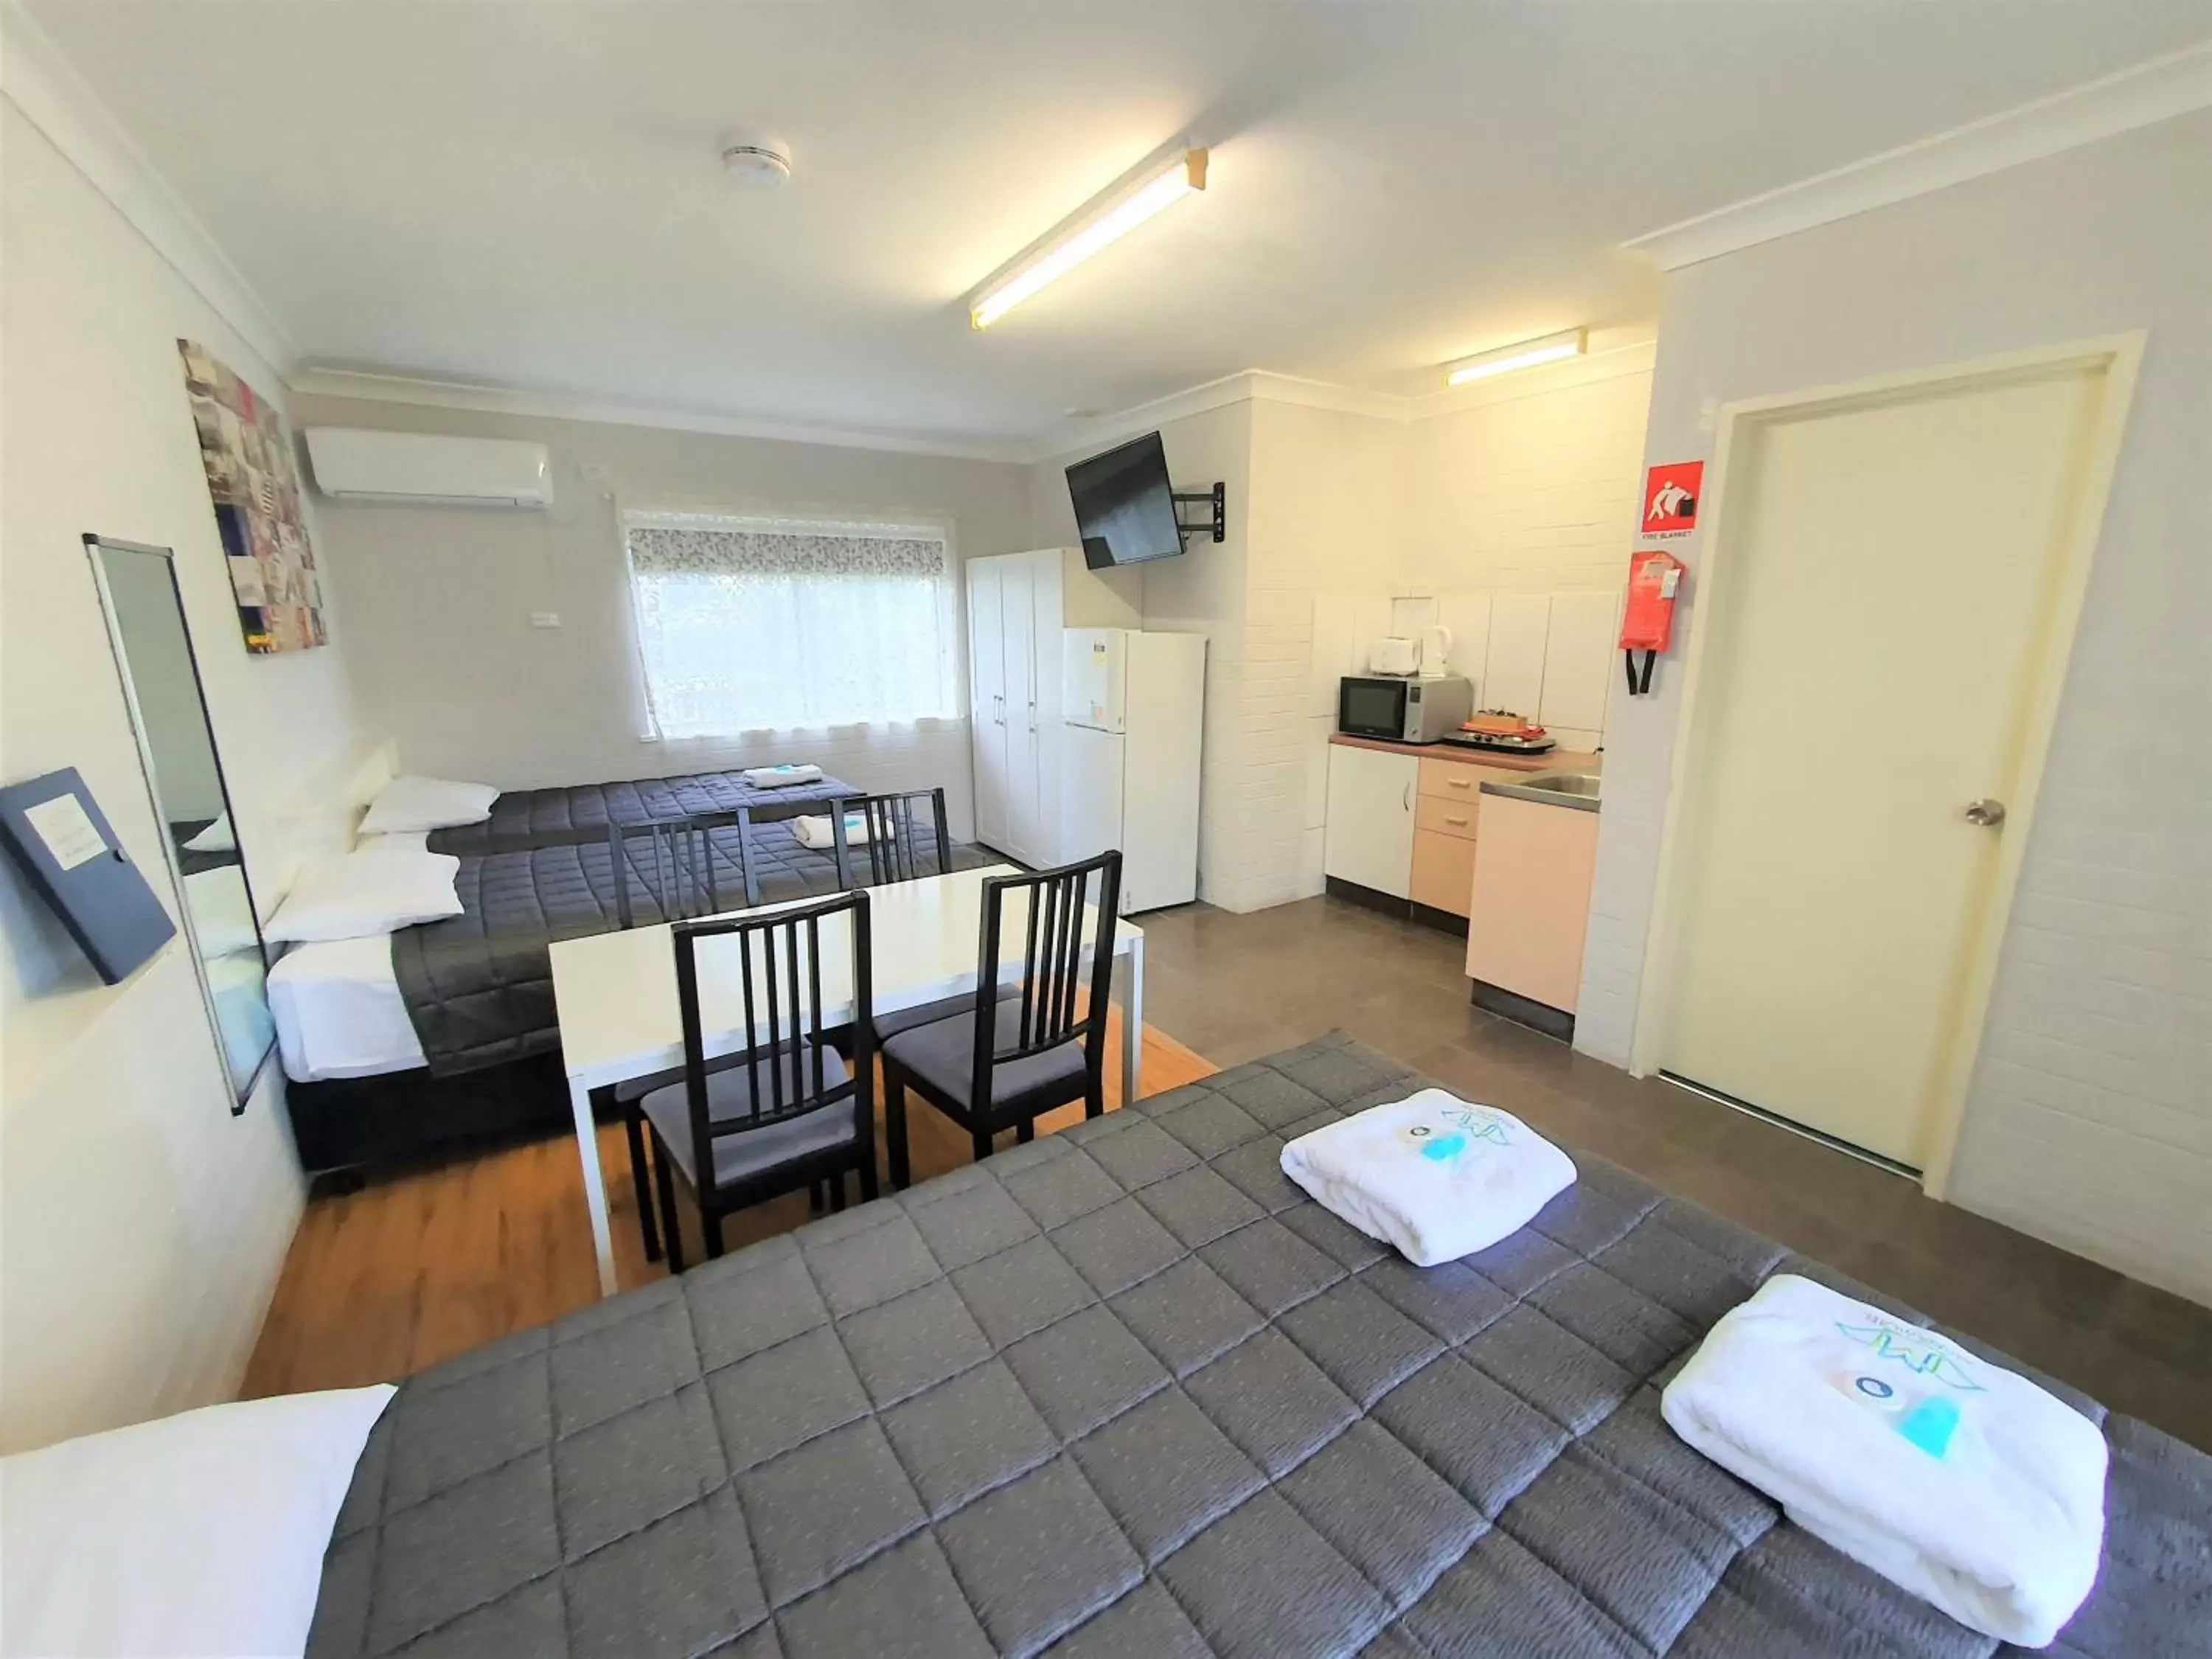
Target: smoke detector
{"x":760,"y":163}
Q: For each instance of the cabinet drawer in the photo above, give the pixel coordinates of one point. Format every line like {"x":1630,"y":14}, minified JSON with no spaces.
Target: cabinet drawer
{"x":1445,"y":817}
{"x":1443,"y":779}
{"x":1443,"y":870}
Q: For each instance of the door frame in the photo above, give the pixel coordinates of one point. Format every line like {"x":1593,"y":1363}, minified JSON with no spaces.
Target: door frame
{"x":2118,"y":357}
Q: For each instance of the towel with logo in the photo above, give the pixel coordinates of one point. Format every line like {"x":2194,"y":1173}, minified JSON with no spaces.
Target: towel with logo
{"x":1958,"y":1480}
{"x":1436,"y":1176}
{"x":815,"y":831}
{"x":777,"y":777}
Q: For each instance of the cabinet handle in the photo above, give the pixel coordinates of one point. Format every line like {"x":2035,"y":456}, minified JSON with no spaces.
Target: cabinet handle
{"x":1449,"y":818}
{"x":1455,"y":783}
{"x":1406,"y":800}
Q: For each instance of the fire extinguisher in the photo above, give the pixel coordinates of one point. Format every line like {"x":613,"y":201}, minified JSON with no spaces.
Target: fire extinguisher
{"x":1653,"y":578}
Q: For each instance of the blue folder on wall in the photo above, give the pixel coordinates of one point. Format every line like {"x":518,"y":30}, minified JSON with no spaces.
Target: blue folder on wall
{"x":59,"y":838}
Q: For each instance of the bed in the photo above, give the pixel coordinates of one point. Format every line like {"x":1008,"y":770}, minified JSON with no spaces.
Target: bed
{"x":1126,"y":1390}
{"x":401,"y":1042}
{"x":575,"y":813}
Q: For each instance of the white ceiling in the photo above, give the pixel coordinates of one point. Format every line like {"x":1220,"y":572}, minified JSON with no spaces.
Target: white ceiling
{"x":528,"y":194}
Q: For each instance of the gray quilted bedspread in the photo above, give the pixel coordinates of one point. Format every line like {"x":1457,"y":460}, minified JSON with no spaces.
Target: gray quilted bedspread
{"x":562,"y":816}
{"x":1126,"y":1391}
{"x":478,"y":987}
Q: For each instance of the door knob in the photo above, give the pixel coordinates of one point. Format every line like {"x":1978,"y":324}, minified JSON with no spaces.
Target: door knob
{"x":1987,"y":813}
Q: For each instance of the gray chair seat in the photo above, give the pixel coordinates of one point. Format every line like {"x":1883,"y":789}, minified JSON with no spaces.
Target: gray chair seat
{"x":730,"y":1099}
{"x":942,"y":1054}
{"x":888,"y":1026}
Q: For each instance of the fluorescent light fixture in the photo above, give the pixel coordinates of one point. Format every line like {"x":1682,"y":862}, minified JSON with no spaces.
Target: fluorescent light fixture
{"x":1527,"y":355}
{"x":1125,"y":206}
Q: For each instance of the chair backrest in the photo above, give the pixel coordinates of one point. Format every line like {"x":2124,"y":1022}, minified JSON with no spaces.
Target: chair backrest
{"x":892,"y":850}
{"x":686,"y":868}
{"x":1061,"y":997}
{"x":778,"y":963}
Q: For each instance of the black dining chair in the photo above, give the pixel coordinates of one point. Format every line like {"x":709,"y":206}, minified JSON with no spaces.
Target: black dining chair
{"x":890,"y":849}
{"x":1043,"y":1044}
{"x":682,"y":867}
{"x":672,"y":870}
{"x":784,"y":1112}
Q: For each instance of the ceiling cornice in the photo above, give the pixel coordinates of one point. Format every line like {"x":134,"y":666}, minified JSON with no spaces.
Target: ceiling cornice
{"x":315,"y":382}
{"x":1630,"y":357}
{"x":40,"y":82}
{"x":2136,"y":97}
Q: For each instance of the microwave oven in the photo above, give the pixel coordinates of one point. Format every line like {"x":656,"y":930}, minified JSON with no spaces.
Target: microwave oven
{"x":1402,"y":710}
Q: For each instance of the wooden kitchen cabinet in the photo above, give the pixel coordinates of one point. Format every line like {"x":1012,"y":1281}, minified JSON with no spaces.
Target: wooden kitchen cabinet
{"x":1531,"y":901}
{"x":1443,"y":870}
{"x":1369,"y":840}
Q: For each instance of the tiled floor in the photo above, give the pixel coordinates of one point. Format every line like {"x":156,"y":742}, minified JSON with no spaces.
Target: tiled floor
{"x":1234,"y":987}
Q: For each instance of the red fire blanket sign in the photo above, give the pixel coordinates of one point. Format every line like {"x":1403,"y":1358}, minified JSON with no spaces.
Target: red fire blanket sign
{"x":1670,"y":498}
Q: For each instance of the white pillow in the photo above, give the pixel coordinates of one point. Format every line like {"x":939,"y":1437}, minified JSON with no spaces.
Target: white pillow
{"x":218,"y":837}
{"x":223,"y":913}
{"x":364,"y":893}
{"x":200,"y":1534}
{"x":411,"y":803}
{"x":404,"y":840}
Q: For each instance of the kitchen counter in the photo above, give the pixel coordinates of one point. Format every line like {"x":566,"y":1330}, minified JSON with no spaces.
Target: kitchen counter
{"x":1503,"y":760}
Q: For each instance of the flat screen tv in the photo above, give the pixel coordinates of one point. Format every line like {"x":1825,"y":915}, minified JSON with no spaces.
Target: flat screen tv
{"x":1124,"y":505}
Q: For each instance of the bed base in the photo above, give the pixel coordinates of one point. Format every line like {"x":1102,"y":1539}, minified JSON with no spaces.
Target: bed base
{"x":352,"y":1126}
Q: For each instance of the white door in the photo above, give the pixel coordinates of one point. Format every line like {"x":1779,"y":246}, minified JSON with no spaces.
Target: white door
{"x":1018,"y":632}
{"x":1369,"y":841}
{"x":987,"y":700}
{"x":1890,"y":570}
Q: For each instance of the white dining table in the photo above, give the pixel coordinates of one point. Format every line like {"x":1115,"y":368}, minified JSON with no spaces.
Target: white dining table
{"x":615,"y":994}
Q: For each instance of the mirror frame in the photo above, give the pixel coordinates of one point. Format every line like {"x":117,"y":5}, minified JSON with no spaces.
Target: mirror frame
{"x":94,"y":545}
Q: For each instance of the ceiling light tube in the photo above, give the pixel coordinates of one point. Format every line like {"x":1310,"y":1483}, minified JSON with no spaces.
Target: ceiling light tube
{"x":1127,"y":204}
{"x":1526,"y":355}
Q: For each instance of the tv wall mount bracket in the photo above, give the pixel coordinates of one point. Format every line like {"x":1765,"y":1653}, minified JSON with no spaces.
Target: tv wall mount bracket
{"x":1216,"y":524}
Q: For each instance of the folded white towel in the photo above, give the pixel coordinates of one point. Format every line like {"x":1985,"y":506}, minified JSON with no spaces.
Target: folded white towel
{"x":816,"y":831}
{"x":1960,"y":1481}
{"x":1435,"y":1176}
{"x":776,"y":777}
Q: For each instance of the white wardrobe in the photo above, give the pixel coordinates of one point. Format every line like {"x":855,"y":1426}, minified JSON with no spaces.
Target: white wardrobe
{"x":1017,"y":605}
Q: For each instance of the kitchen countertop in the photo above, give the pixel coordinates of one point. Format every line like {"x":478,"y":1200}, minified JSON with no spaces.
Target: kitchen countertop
{"x":1553,"y":760}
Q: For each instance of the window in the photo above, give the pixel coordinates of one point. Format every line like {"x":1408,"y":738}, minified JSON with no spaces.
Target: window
{"x":779,"y":624}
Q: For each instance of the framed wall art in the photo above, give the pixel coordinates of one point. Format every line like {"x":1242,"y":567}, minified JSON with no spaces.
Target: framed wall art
{"x":255,"y":488}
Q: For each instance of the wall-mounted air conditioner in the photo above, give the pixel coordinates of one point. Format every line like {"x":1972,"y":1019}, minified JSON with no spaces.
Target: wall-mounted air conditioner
{"x":426,"y":470}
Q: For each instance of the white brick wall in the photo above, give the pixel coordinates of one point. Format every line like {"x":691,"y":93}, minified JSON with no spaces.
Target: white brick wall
{"x":1531,"y":493}
{"x":2089,"y":1116}
{"x":1531,"y":490}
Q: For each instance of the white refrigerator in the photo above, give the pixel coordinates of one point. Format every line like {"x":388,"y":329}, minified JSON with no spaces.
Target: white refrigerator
{"x":1133,"y":706}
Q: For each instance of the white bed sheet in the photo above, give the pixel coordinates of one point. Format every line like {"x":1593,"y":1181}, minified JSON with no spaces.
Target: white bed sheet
{"x":339,"y":1013}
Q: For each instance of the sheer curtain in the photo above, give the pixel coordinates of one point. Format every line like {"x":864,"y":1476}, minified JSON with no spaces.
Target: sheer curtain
{"x":753,"y":624}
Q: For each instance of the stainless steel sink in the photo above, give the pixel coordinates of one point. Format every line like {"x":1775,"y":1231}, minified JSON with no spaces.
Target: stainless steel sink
{"x":1580,"y":790}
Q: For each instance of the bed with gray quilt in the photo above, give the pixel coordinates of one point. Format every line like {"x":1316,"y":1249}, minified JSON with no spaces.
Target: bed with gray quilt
{"x":478,"y":987}
{"x":580,"y":813}
{"x":1124,"y":1390}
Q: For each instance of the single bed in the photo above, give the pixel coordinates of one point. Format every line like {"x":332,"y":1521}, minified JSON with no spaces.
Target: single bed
{"x":575,"y":813}
{"x":1126,"y":1390}
{"x":402,"y":1043}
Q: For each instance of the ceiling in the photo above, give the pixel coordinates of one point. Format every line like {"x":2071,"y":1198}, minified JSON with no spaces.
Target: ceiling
{"x":528,"y":194}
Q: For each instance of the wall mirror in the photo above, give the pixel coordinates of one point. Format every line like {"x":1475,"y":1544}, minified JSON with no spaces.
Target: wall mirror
{"x":184,"y":774}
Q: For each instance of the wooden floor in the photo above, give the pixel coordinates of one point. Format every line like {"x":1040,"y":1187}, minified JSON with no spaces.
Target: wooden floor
{"x":413,"y":1269}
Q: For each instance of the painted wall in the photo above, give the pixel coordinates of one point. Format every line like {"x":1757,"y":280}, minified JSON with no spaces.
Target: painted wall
{"x":1328,"y":497}
{"x":2089,"y":1120}
{"x":440,"y":633}
{"x":141,"y":1226}
{"x":1527,"y":491}
{"x":1532,"y":487}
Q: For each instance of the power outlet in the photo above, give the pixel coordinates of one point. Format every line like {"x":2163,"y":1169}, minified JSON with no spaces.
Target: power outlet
{"x":544,"y":619}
